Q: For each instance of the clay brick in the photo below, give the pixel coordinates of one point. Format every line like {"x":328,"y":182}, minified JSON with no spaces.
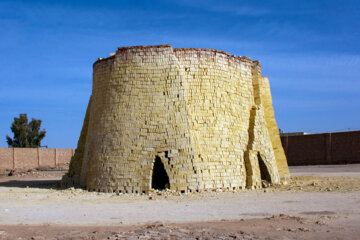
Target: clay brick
{"x":201,"y":113}
{"x":26,"y":158}
{"x":47,"y":157}
{"x":6,"y":158}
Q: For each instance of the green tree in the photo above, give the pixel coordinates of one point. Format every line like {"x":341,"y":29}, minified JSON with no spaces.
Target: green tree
{"x":26,"y":134}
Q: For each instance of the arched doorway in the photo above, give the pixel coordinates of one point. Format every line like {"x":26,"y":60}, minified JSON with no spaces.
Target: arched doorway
{"x":264,"y":171}
{"x":160,"y":179}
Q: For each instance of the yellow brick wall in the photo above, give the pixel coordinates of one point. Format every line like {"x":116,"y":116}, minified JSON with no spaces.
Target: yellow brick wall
{"x":201,"y":111}
{"x":273,"y":130}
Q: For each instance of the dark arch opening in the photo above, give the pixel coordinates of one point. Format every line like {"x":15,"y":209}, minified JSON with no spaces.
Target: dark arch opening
{"x":160,"y":179}
{"x":264,"y":171}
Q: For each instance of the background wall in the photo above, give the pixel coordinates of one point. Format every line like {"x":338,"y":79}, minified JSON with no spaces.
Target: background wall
{"x":28,"y":158}
{"x":324,"y":148}
{"x":309,"y":149}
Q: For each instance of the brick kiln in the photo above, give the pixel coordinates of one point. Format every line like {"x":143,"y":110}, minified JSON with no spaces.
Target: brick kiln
{"x":186,"y":119}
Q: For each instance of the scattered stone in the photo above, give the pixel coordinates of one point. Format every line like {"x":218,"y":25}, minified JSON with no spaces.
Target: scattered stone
{"x":37,"y":238}
{"x":161,"y":231}
{"x":303,"y":229}
{"x":11,"y":173}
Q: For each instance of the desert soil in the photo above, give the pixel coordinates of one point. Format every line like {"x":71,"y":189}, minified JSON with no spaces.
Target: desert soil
{"x":320,"y":202}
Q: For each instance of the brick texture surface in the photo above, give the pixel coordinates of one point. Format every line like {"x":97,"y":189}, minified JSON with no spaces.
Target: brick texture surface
{"x":47,"y":157}
{"x":26,"y":158}
{"x":29,"y":158}
{"x":63,"y":156}
{"x":6,"y":158}
{"x":206,"y":114}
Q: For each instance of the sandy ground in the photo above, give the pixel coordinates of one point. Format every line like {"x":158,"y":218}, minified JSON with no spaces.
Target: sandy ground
{"x":321,"y":202}
{"x":350,"y":170}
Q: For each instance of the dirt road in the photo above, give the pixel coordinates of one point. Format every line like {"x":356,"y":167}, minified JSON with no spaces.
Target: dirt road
{"x":330,"y":204}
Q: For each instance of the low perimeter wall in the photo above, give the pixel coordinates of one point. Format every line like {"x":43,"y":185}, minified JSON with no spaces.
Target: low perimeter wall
{"x":309,"y":149}
{"x":323,"y":148}
{"x":29,"y":158}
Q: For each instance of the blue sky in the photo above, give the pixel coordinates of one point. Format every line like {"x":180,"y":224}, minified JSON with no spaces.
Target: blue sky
{"x":309,"y":49}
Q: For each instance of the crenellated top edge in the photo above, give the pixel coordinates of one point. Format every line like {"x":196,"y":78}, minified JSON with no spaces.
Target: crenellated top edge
{"x":241,"y":58}
{"x":121,"y":49}
{"x":144,"y":47}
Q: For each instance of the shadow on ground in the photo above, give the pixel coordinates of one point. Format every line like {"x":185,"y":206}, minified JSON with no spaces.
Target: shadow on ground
{"x":45,"y":184}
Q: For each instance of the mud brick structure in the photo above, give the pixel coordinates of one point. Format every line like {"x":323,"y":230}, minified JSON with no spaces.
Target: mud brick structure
{"x":24,"y":159}
{"x":186,"y":119}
